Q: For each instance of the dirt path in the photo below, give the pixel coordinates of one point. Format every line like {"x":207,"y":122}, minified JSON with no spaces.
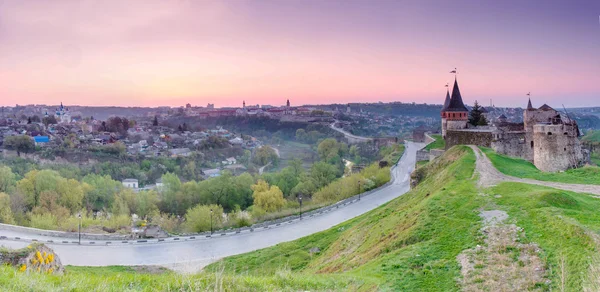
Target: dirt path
{"x":490,"y":176}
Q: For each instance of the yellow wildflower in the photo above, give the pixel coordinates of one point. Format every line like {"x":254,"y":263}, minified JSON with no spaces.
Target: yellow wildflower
{"x":50,"y":270}
{"x":34,"y":261}
{"x":38,"y":269}
{"x":23,"y":268}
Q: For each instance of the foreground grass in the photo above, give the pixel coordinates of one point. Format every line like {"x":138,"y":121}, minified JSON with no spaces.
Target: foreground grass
{"x":403,"y":245}
{"x":128,"y":279}
{"x":524,"y":169}
{"x":409,"y":244}
{"x":412,"y":242}
{"x":565,"y":225}
{"x":439,"y":143}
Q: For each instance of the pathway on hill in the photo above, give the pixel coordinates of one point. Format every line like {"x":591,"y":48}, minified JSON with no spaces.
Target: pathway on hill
{"x":490,"y":176}
{"x":190,"y":254}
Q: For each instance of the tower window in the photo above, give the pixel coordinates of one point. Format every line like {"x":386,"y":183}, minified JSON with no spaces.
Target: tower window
{"x":549,"y":133}
{"x":532,"y":144}
{"x":565,"y":149}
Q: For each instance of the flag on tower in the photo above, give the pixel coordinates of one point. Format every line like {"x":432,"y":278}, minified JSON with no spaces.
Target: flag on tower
{"x":529,"y":93}
{"x":453,"y":71}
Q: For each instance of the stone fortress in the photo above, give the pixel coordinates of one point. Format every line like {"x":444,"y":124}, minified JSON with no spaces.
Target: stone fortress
{"x":546,"y":137}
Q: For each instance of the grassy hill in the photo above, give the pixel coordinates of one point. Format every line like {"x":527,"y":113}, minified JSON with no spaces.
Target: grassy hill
{"x":439,"y":143}
{"x":413,"y":243}
{"x":524,"y":169}
{"x":591,"y":136}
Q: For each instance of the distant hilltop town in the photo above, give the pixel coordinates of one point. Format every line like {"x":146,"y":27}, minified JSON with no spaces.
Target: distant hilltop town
{"x":546,"y":137}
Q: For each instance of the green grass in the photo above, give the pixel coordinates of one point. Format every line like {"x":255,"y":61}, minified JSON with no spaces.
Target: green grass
{"x":591,"y":136}
{"x":393,"y":157}
{"x":596,"y":158}
{"x":565,"y":225}
{"x":524,"y":169}
{"x":422,"y":163}
{"x":408,"y":244}
{"x":439,"y":143}
{"x":404,"y":245}
{"x":126,"y":279}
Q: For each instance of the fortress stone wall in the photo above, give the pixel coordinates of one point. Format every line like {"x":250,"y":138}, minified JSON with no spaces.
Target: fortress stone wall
{"x":510,"y":143}
{"x":556,"y":147}
{"x":468,"y":137}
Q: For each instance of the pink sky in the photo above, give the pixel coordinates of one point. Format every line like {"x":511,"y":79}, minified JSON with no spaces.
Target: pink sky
{"x":150,"y":53}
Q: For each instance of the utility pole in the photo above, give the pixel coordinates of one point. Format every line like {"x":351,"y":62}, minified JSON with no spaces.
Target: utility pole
{"x":359,"y":181}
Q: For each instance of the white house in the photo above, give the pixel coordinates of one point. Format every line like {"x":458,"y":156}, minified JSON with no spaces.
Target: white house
{"x":131,"y":183}
{"x":229,"y":161}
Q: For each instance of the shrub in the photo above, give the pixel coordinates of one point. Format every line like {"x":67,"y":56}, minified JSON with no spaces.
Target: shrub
{"x":198,"y":219}
{"x":43,"y":221}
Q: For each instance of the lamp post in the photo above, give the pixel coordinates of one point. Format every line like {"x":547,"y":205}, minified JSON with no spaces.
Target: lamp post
{"x":300,"y":199}
{"x":359,"y":191}
{"x":211,"y":230}
{"x":79,"y":216}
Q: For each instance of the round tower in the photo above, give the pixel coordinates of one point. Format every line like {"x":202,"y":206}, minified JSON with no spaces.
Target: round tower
{"x":556,"y":147}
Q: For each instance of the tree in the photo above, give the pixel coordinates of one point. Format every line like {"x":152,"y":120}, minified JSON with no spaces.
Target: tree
{"x":199,"y":218}
{"x":117,"y":125}
{"x":331,"y":151}
{"x":301,"y":135}
{"x":155,"y":121}
{"x":306,"y":187}
{"x":21,"y":143}
{"x":245,"y":158}
{"x":323,"y":173}
{"x":268,"y":198}
{"x":7,"y":179}
{"x":169,"y":193}
{"x":6,"y":216}
{"x":49,"y":120}
{"x":476,"y":117}
{"x":102,"y":191}
{"x":264,"y":155}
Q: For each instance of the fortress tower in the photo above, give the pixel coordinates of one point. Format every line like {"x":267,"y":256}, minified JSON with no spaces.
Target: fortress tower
{"x":557,"y":147}
{"x":456,"y":114}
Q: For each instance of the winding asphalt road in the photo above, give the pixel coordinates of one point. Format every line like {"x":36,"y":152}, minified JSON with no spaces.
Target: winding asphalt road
{"x":191,"y":255}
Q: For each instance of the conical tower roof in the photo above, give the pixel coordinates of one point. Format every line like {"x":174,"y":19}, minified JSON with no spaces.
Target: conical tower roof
{"x":447,"y":101}
{"x":456,"y":103}
{"x":529,"y":106}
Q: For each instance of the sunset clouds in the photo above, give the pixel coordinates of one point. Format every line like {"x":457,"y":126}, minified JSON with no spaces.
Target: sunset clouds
{"x":173,"y":52}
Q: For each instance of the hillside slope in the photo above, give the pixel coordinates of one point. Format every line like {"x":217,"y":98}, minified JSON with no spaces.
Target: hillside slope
{"x":437,"y":237}
{"x":548,"y":240}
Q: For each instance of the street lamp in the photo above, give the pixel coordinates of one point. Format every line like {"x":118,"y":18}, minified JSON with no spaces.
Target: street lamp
{"x":79,"y":216}
{"x":359,"y":190}
{"x":300,"y":199}
{"x":211,"y":230}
